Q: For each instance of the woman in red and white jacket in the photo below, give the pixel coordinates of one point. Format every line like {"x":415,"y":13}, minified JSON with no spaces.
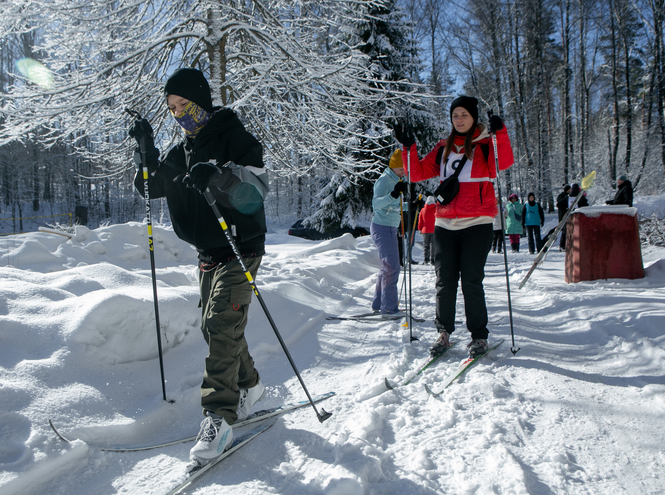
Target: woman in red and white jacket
{"x":463,"y":228}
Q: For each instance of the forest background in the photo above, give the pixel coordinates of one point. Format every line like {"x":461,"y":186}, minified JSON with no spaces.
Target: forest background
{"x":579,"y":83}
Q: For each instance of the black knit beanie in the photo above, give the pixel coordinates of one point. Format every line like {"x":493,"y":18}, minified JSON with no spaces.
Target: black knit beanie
{"x":469,"y":103}
{"x":190,"y":84}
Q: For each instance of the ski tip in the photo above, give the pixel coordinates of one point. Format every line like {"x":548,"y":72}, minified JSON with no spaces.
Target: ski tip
{"x":429,"y":390}
{"x":57,"y":432}
{"x":389,"y":385}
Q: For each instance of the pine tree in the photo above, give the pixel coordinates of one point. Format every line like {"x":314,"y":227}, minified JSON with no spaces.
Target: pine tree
{"x":385,"y":39}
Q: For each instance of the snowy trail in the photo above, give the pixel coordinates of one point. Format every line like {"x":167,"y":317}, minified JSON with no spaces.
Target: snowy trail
{"x":579,"y":409}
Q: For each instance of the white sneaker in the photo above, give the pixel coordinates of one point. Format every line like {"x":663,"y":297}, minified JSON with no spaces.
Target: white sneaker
{"x":215,"y":437}
{"x":249,"y":397}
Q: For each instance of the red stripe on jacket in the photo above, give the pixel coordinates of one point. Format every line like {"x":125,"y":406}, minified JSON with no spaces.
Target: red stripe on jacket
{"x":474,"y":199}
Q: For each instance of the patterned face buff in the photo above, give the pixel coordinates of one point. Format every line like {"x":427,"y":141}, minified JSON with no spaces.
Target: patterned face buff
{"x":192,"y":119}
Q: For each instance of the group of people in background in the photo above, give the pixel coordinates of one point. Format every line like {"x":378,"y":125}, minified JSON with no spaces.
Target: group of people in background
{"x":524,"y":218}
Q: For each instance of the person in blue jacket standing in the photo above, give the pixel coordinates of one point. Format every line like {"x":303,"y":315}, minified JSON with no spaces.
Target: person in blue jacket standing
{"x":533,"y":218}
{"x":386,"y":206}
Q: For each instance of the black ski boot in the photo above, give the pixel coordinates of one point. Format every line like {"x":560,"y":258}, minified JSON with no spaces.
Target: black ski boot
{"x":441,"y":344}
{"x":477,"y":347}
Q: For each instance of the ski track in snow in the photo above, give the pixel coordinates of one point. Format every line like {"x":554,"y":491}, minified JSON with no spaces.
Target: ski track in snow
{"x":579,"y":409}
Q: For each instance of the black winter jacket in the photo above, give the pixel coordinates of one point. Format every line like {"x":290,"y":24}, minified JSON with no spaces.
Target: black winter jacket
{"x":623,"y":196}
{"x":223,"y":139}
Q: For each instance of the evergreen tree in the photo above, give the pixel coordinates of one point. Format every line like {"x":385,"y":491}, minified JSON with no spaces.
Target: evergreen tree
{"x":385,"y":38}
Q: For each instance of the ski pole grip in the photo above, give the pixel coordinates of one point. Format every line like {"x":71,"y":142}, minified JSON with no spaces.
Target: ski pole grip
{"x":210,"y":198}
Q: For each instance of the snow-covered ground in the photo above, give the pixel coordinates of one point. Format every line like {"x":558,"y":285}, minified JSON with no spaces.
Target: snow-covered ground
{"x":579,"y":409}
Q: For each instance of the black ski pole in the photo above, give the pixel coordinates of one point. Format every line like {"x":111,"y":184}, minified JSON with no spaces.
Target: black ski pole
{"x":146,"y":194}
{"x":503,"y":235}
{"x":403,"y":287}
{"x":408,"y":240}
{"x":213,"y":203}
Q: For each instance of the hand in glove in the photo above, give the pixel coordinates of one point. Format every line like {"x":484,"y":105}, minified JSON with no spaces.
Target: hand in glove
{"x":202,"y":173}
{"x":142,"y":129}
{"x":400,"y":188}
{"x":496,"y":124}
{"x":404,"y":135}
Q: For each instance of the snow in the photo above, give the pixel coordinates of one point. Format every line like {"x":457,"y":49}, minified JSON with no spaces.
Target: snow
{"x":596,"y":211}
{"x":579,"y":409}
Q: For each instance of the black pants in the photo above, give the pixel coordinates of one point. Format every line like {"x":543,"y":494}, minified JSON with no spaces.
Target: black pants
{"x":497,"y":241}
{"x":428,"y":247}
{"x":533,"y":231}
{"x":462,"y":252}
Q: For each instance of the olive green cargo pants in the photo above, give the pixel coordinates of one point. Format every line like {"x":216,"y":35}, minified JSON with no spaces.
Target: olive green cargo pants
{"x":225,"y":298}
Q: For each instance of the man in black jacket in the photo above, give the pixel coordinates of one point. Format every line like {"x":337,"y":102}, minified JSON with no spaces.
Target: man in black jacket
{"x":624,"y":194}
{"x":562,"y":207}
{"x":220,"y":155}
{"x":562,"y":201}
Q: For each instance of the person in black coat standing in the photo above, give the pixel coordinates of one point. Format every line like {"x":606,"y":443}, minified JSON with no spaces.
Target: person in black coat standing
{"x":562,"y":207}
{"x":624,"y":194}
{"x":575,"y":190}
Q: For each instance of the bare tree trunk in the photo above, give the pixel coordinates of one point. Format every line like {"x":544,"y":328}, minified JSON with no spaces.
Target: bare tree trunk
{"x":564,"y":6}
{"x":629,"y":102}
{"x":584,"y":90}
{"x":216,"y":46}
{"x":615,"y":94}
{"x":658,"y":8}
{"x":647,"y":108}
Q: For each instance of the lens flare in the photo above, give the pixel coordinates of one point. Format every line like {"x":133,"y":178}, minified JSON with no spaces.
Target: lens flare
{"x":35,"y":72}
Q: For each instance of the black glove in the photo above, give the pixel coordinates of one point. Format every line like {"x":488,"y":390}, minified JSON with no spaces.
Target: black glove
{"x":142,"y":129}
{"x":400,"y":188}
{"x":152,"y":159}
{"x":202,"y":173}
{"x":420,"y":204}
{"x":404,"y":135}
{"x":496,"y":124}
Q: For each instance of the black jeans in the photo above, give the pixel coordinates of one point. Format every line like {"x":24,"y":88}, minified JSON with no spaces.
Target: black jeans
{"x":497,"y":241}
{"x":428,"y":247}
{"x":531,"y":232}
{"x":462,"y":252}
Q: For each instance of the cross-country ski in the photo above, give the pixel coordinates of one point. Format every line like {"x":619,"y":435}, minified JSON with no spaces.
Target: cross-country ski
{"x":587,"y":182}
{"x":462,"y":368}
{"x":376,"y":317}
{"x":252,"y":418}
{"x":429,"y":361}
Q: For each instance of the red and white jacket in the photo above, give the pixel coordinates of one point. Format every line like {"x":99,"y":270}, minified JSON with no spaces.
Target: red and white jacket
{"x":476,"y":195}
